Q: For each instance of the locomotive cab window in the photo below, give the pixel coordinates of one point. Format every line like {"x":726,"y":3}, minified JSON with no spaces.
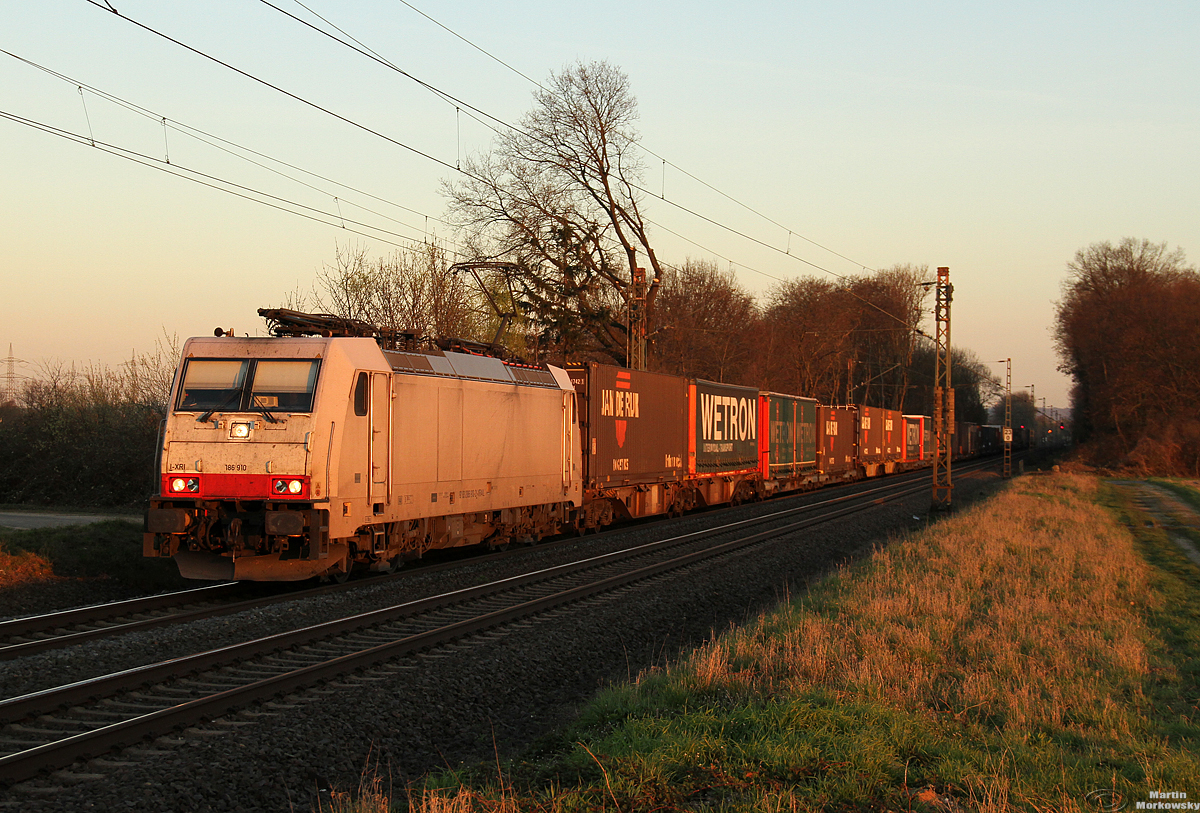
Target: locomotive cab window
{"x":240,"y":385}
{"x":213,"y":384}
{"x":285,"y":386}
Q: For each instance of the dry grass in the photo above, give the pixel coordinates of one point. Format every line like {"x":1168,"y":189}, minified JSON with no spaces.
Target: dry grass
{"x":462,"y":800}
{"x":1008,"y":614}
{"x":23,"y":567}
{"x":1009,"y":658}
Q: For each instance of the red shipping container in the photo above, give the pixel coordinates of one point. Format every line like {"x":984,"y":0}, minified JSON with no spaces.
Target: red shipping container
{"x":633,"y":425}
{"x":880,"y":436}
{"x":837,"y":439}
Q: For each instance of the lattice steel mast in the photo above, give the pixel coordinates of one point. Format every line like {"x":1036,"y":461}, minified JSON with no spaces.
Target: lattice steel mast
{"x":9,"y":393}
{"x":636,"y":358}
{"x":1008,"y":433}
{"x":943,"y":392}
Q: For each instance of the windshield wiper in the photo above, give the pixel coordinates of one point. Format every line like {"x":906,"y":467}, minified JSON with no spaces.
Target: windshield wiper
{"x":222,"y":405}
{"x":266,"y":414}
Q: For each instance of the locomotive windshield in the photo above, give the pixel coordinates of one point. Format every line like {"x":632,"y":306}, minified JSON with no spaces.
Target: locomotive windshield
{"x":238,"y":385}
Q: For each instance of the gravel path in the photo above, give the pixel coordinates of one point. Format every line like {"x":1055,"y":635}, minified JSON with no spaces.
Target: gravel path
{"x":498,"y":691}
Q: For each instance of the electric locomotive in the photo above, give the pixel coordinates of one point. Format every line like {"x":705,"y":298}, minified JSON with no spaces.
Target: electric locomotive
{"x":299,"y":455}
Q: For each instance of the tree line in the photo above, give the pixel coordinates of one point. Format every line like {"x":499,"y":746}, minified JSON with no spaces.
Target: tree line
{"x":86,"y":436}
{"x":1126,"y":332}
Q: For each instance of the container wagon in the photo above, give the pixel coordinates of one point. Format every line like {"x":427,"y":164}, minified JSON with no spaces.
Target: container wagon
{"x":723,"y":449}
{"x":879,"y":442}
{"x":634,"y":438}
{"x":915,"y":431}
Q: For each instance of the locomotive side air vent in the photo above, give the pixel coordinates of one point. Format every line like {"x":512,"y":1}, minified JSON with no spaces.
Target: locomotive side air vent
{"x":410,"y":362}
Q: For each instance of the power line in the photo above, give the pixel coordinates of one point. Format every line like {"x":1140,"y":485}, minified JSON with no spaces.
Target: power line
{"x":491,"y":56}
{"x":727,"y":196}
{"x":439,"y":161}
{"x":210,"y":138}
{"x":274,"y":87}
{"x":362,"y":49}
{"x":221,"y":184}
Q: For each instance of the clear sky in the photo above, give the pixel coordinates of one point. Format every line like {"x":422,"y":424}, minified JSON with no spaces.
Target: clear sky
{"x":996,"y":139}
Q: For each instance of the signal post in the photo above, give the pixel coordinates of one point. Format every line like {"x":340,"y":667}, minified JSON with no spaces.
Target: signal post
{"x":1008,"y":433}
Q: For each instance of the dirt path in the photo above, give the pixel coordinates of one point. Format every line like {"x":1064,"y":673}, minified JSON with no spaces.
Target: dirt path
{"x":1166,"y":511}
{"x":24,"y":521}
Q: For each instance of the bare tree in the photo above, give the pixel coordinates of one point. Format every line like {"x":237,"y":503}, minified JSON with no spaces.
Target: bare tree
{"x":890,"y":305}
{"x":411,"y":289}
{"x":808,"y":328}
{"x":559,"y":196}
{"x":708,"y":325}
{"x":849,"y":341}
{"x":1125,"y":332}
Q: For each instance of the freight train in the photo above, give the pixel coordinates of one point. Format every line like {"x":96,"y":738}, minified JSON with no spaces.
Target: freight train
{"x":331,"y":446}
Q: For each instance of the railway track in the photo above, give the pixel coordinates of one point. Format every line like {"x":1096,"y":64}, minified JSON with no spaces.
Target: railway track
{"x":37,"y":633}
{"x":54,"y":728}
{"x":40,"y":633}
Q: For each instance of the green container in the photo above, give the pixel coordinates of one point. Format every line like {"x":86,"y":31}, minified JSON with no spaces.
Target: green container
{"x":792,"y":433}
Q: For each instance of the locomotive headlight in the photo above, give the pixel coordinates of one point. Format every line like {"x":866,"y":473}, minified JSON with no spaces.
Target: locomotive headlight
{"x":239,"y":430}
{"x":287,"y":487}
{"x":188,"y":485}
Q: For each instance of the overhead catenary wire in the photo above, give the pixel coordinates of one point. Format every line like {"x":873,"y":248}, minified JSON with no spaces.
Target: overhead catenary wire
{"x":272,"y":86}
{"x":233,"y":148}
{"x":358,"y":46}
{"x":444,"y":163}
{"x":395,"y":141}
{"x":649,"y":151}
{"x":221,"y":184}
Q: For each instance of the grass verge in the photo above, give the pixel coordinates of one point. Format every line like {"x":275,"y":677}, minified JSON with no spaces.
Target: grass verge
{"x":1019,"y":656}
{"x":111,"y":549}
